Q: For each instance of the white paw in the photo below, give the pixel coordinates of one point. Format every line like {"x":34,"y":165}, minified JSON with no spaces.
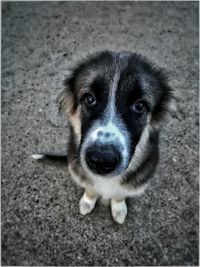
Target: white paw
{"x":86,"y":204}
{"x":119,"y":211}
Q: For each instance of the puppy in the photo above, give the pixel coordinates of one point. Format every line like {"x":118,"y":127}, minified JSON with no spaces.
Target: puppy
{"x":115,"y":104}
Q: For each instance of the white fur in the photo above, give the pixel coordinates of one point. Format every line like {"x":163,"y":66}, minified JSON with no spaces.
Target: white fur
{"x":112,"y":124}
{"x":87,"y":204}
{"x":119,"y":211}
{"x":110,"y":187}
{"x":140,"y":149}
{"x":116,"y":136}
{"x":111,"y":110}
{"x":37,"y":156}
{"x":112,"y":129}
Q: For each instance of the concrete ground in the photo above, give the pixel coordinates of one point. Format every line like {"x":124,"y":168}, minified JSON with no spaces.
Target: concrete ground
{"x":41,"y":224}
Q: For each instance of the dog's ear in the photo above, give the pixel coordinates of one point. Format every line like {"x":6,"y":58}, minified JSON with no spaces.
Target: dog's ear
{"x":166,"y":106}
{"x":66,"y":99}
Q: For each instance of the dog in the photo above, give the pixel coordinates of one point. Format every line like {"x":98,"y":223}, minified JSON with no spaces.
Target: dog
{"x":116,"y":104}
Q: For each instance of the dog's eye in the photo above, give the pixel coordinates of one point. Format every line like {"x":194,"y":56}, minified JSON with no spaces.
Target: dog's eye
{"x":88,"y":99}
{"x":139,"y":107}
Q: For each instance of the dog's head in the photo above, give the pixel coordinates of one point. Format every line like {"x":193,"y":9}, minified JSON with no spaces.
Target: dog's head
{"x":110,"y":99}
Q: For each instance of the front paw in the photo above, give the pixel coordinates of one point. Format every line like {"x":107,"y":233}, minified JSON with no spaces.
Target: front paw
{"x":87,"y":204}
{"x":119,"y":210}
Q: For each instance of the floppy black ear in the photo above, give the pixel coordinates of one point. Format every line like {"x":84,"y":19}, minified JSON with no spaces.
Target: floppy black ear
{"x":166,"y":105}
{"x":66,"y":99}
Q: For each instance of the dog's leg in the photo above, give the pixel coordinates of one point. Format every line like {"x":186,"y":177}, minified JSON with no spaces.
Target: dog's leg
{"x":87,"y":202}
{"x":119,"y":210}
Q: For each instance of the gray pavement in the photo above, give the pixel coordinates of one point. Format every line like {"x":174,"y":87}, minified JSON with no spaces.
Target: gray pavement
{"x":41,"y":224}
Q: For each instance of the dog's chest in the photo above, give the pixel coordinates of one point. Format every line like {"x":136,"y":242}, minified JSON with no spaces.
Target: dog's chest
{"x":109,"y":187}
{"x":112,"y":188}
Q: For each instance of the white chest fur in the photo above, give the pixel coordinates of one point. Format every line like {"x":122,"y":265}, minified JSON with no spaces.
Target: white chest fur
{"x":111,"y":188}
{"x":108,"y":187}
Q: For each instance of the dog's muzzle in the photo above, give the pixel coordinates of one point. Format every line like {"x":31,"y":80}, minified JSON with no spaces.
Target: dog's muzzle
{"x":102,"y":159}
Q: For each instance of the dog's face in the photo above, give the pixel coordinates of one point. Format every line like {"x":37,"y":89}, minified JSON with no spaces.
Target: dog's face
{"x":110,"y":99}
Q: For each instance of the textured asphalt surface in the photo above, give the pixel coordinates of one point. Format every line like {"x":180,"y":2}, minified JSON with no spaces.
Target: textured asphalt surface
{"x":41,"y":224}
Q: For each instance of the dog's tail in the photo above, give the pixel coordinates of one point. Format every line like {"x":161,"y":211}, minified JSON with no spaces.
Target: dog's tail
{"x":51,"y":157}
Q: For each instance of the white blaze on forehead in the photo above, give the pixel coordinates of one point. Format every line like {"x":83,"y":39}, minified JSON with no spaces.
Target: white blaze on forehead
{"x":110,"y":123}
{"x":111,"y":109}
{"x":110,"y":129}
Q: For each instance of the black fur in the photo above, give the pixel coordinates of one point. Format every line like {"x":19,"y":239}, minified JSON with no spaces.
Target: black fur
{"x":126,"y":97}
{"x":139,"y":79}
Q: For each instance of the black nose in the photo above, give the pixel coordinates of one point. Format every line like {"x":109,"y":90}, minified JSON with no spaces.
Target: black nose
{"x":102,"y":160}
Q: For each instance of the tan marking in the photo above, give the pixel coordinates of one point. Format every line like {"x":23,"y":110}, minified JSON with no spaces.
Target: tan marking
{"x":170,"y":109}
{"x":66,"y":100}
{"x":90,"y":194}
{"x":156,"y":124}
{"x":118,"y":199}
{"x":76,"y":123}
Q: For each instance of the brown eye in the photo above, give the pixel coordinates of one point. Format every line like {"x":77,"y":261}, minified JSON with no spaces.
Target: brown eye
{"x":139,"y":107}
{"x":88,"y":99}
